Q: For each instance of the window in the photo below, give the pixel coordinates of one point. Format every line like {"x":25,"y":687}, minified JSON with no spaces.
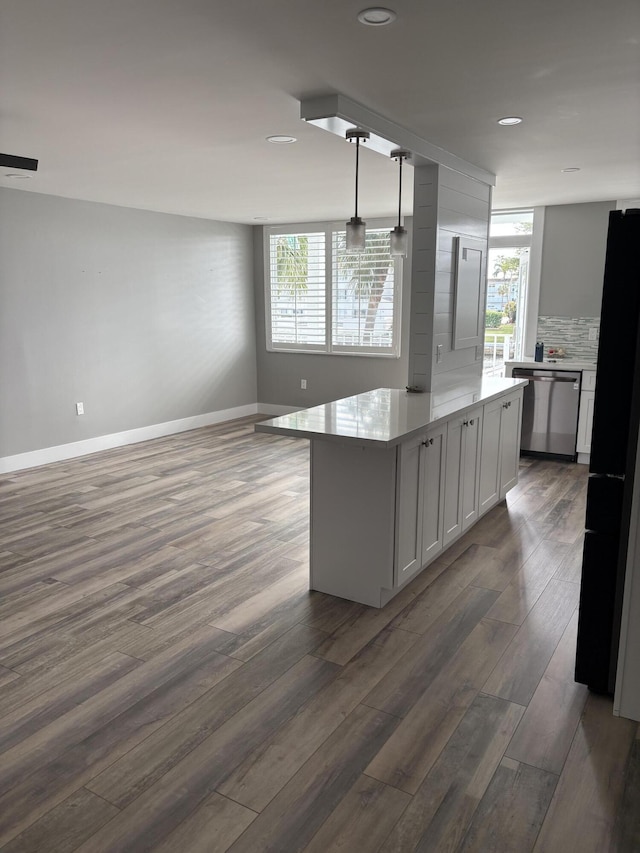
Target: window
{"x":510,"y":240}
{"x":320,"y":298}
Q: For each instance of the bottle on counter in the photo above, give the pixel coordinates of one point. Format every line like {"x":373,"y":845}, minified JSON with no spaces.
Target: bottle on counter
{"x":539,"y":353}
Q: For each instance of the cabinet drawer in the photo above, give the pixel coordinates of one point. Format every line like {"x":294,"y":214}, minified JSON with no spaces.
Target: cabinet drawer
{"x":588,"y":380}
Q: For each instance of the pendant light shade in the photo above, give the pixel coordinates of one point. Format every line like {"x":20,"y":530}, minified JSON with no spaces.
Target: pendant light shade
{"x":399,"y":239}
{"x":356,"y":227}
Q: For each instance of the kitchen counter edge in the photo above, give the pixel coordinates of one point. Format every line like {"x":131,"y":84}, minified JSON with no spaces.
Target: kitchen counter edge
{"x":275,"y":426}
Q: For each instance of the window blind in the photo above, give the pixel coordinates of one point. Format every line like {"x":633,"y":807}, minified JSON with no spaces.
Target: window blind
{"x":321,"y":298}
{"x":363,"y":293}
{"x":297,"y":268}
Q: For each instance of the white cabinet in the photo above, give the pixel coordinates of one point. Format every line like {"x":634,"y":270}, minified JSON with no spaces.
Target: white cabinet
{"x":419,"y":505}
{"x":510,"y":426}
{"x":461,"y":478}
{"x":432,"y":476}
{"x":585,"y":421}
{"x":379,"y":515}
{"x":500,"y":449}
{"x":585,"y":413}
{"x":471,"y":470}
{"x":490,"y":456}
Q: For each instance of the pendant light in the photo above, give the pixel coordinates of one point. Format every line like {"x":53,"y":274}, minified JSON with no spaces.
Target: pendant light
{"x":399,"y":238}
{"x":356,"y":228}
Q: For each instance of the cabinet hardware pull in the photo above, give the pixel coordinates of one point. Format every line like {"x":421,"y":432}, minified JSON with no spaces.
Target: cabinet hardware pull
{"x":428,"y":442}
{"x":466,"y":423}
{"x":472,"y":421}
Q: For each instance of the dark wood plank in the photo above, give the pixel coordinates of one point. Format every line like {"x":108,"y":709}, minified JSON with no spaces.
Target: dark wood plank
{"x":267,"y":769}
{"x":583,"y":813}
{"x":444,"y":804}
{"x":66,"y":826}
{"x":293,"y":817}
{"x":627,"y":826}
{"x":511,"y":812}
{"x":211,"y":828}
{"x":142,"y":766}
{"x":429,"y":604}
{"x":410,"y":753}
{"x":401,"y":688}
{"x":362,"y":820}
{"x":543,"y":739}
{"x":48,"y":766}
{"x":517,"y":674}
{"x":529,"y":583}
{"x":163,"y":806}
{"x":47,"y":707}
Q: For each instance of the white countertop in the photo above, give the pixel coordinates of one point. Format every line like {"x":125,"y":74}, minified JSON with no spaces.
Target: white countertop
{"x":558,"y":364}
{"x":387,"y":416}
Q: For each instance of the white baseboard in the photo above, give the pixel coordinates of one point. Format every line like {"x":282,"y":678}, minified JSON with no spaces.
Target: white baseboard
{"x":33,"y":458}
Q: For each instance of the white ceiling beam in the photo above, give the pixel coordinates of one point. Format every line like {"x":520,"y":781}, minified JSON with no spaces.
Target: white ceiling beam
{"x":337,"y":114}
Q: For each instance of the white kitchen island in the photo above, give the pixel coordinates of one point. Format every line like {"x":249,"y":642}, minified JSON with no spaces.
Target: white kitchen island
{"x":397,"y":477}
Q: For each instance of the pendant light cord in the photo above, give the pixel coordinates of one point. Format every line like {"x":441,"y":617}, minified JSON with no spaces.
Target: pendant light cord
{"x":357,"y":170}
{"x":400,"y":192}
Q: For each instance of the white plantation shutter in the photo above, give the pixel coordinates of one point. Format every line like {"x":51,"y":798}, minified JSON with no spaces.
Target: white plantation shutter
{"x":298,"y":285}
{"x":363,"y":294}
{"x":319,"y":298}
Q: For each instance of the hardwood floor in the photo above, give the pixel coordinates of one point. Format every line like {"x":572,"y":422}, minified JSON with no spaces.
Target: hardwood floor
{"x":168,"y":683}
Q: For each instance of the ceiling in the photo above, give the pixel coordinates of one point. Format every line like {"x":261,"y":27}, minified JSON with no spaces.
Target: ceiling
{"x":165,"y":104}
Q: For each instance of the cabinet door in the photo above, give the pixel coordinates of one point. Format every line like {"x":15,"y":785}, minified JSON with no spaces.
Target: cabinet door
{"x":470,"y":476}
{"x":453,"y":475}
{"x":489,"y":489}
{"x":510,"y":442}
{"x":585,"y":422}
{"x":432,"y":462}
{"x":408,"y":548}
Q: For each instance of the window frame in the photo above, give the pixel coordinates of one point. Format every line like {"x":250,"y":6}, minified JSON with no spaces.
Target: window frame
{"x":329,"y":348}
{"x":533,"y":242}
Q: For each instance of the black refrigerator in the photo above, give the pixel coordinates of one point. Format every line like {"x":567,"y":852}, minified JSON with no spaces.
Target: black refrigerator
{"x":613,"y":457}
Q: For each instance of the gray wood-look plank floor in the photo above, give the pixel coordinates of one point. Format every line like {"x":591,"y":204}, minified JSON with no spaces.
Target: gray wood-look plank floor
{"x":168,"y":682}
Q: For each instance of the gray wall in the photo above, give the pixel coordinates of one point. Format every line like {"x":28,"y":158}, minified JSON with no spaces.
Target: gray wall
{"x":144,"y":317}
{"x":573,"y":253}
{"x":329,"y":377}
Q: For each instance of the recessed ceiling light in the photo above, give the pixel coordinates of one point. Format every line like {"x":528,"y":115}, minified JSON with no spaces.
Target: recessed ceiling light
{"x":507,"y":121}
{"x":281,"y":140}
{"x":571,"y":169}
{"x":18,"y":176}
{"x":261,"y":218}
{"x":376,"y":16}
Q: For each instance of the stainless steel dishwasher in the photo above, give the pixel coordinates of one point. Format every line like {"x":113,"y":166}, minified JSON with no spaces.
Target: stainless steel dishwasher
{"x":550,"y":411}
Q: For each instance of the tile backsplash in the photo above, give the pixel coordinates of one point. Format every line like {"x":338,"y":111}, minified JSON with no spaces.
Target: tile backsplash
{"x":570,"y":333}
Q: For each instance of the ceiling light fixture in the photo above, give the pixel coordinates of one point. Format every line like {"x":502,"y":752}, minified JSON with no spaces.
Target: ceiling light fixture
{"x":571,"y":169}
{"x":281,"y":140}
{"x":376,"y":16}
{"x":356,"y":228}
{"x":17,"y":176}
{"x":399,"y":238}
{"x":509,"y":121}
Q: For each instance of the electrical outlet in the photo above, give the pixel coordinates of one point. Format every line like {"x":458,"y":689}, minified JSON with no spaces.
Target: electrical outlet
{"x":593,"y":333}
{"x":79,"y":408}
{"x":303,"y":384}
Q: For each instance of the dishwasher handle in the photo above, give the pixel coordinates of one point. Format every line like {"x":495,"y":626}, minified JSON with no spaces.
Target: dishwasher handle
{"x":546,"y":378}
